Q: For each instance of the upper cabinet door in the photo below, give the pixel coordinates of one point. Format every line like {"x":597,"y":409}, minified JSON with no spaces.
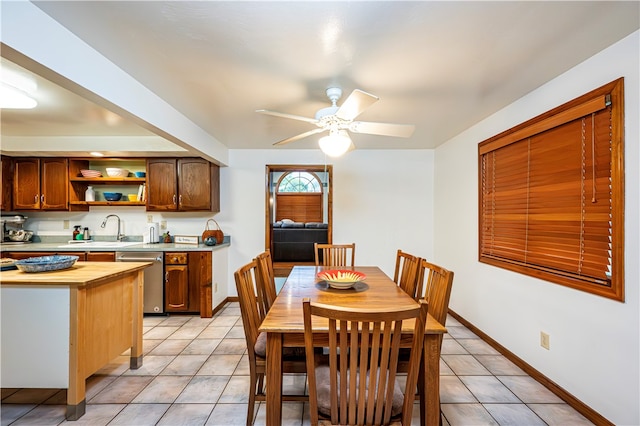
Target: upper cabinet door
{"x":26,"y":184}
{"x":54,"y":184}
{"x":162,"y":184}
{"x":40,"y":184}
{"x":194,"y":184}
{"x":186,"y":184}
{"x":6,"y":203}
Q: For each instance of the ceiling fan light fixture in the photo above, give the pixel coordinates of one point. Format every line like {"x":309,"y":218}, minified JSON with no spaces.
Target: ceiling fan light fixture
{"x":336,"y":143}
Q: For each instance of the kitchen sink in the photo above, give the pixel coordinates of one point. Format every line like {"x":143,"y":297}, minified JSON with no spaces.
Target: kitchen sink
{"x":101,"y":244}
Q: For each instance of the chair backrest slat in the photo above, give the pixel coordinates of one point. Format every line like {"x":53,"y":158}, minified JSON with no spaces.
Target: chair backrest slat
{"x":335,"y":254}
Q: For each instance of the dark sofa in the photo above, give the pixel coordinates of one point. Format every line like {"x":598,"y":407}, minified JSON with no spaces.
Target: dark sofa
{"x":293,"y":241}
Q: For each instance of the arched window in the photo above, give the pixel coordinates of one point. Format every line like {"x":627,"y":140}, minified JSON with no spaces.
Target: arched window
{"x":299,"y":182}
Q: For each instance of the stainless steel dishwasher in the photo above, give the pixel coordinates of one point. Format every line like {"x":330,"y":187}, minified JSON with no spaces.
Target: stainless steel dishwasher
{"x":153,"y":278}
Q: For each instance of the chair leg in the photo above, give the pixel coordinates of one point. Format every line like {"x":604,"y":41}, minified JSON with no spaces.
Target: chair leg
{"x":253,"y":390}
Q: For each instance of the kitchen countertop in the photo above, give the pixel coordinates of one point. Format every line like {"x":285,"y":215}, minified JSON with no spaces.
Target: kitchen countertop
{"x":55,"y":247}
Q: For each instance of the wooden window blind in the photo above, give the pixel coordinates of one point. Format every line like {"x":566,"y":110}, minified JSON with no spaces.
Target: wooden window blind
{"x":552,"y":195}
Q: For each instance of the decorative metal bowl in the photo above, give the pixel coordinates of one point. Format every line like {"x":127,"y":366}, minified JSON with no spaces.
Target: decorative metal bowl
{"x":46,"y":263}
{"x":341,"y":278}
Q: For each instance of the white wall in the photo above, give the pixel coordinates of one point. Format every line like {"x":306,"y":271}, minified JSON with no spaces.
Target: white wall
{"x":381,"y":201}
{"x":594,"y":341}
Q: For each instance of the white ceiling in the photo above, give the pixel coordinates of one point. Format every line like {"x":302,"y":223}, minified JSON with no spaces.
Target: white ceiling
{"x":442,"y":66}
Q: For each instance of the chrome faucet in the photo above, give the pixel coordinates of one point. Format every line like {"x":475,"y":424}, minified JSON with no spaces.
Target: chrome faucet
{"x":119,"y":236}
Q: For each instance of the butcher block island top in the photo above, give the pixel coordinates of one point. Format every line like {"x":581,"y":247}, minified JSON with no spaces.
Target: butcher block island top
{"x":60,"y":327}
{"x":80,"y":274}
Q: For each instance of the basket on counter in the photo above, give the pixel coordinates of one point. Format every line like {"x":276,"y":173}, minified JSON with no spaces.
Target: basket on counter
{"x":216,"y":233}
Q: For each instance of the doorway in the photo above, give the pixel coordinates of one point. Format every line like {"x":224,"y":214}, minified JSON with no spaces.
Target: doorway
{"x":298,"y":212}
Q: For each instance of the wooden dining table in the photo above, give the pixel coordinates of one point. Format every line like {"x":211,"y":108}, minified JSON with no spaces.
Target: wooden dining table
{"x":285,"y":328}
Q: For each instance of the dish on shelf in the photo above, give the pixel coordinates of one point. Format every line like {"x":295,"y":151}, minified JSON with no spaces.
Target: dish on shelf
{"x":46,"y":263}
{"x":140,"y":174}
{"x":116,"y":172}
{"x":341,"y":278}
{"x":112,"y":196}
{"x":132,"y":197}
{"x":90,"y":173}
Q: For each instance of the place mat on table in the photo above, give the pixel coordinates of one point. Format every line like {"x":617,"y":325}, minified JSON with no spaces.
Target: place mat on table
{"x":358,"y":287}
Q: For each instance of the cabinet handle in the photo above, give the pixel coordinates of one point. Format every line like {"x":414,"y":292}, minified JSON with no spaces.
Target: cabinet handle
{"x":166,"y":277}
{"x":35,"y":199}
{"x":42,"y":198}
{"x":174,"y":199}
{"x":180,"y":199}
{"x":175,"y":259}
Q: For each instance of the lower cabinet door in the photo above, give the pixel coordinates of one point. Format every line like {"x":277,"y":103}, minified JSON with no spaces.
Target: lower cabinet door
{"x":101,"y":256}
{"x":176,"y":288}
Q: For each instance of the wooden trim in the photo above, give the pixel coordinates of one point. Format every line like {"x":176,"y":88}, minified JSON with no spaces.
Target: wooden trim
{"x":556,"y":120}
{"x":560,"y":392}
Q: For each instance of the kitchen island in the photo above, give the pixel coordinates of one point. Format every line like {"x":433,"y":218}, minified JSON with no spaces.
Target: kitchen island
{"x":60,"y":327}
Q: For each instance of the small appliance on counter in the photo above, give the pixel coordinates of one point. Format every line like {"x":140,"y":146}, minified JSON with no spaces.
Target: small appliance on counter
{"x":12,"y":232}
{"x":152,"y":234}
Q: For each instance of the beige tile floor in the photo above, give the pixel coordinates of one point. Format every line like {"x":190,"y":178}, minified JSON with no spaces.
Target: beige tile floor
{"x":196,"y":372}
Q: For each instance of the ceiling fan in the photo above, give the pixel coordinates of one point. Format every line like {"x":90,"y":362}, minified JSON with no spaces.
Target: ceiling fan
{"x":338,"y":120}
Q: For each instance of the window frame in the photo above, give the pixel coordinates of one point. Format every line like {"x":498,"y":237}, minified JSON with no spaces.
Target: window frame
{"x":554,"y":119}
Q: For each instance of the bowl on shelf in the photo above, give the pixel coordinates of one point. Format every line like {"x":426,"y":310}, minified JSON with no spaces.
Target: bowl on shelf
{"x":140,"y":174}
{"x":90,"y":173}
{"x":112,"y":196}
{"x":116,"y":172}
{"x":132,"y":197}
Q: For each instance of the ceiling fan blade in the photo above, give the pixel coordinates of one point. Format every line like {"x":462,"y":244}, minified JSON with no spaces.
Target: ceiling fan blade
{"x":385,"y":129}
{"x":298,"y":137}
{"x":285,"y":115}
{"x":353,"y":106}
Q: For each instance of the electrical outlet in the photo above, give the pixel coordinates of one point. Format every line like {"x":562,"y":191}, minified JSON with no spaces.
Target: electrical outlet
{"x":544,"y":340}
{"x":149,"y":218}
{"x":163,"y":224}
{"x":65,"y":224}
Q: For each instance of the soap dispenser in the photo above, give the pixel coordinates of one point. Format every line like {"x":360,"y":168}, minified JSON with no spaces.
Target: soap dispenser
{"x":76,"y":232}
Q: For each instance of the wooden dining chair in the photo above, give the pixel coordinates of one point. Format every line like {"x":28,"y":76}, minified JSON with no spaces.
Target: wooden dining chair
{"x":434,"y":285}
{"x":335,"y":254}
{"x":406,"y":273}
{"x":293,"y":361}
{"x":265,"y":282}
{"x":358,"y":385}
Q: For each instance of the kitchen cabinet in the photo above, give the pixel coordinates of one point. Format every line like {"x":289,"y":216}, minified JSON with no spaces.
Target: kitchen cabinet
{"x":176,"y":282}
{"x":184,"y":184}
{"x":126,"y":185}
{"x":188,"y":282}
{"x":7,"y":184}
{"x":40,"y":184}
